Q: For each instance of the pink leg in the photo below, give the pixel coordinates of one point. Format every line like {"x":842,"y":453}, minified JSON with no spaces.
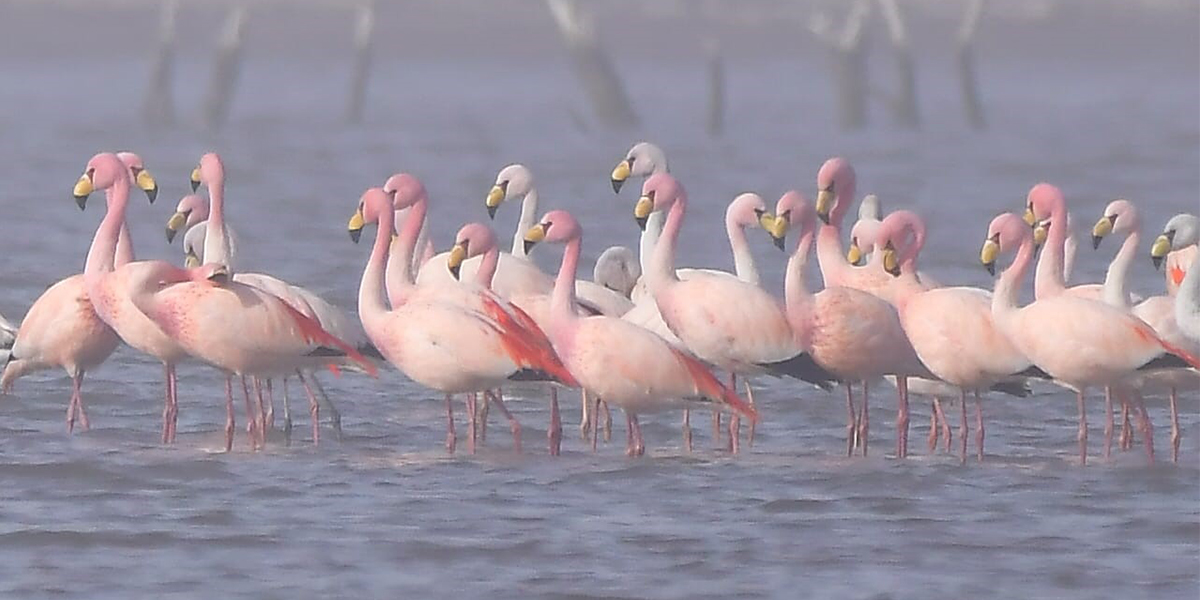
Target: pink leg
{"x":512,"y":422}
{"x":629,"y":434}
{"x":73,"y":404}
{"x":735,"y":424}
{"x":472,"y":424}
{"x":270,"y":405}
{"x":716,"y":423}
{"x":902,"y":418}
{"x":979,"y":433}
{"x":1147,"y":428}
{"x":173,"y":389}
{"x":687,"y":431}
{"x":595,"y":426}
{"x":451,"y":438}
{"x":946,"y":431}
{"x":1109,"y":423}
{"x":750,"y":399}
{"x":933,"y":426}
{"x":314,"y":409}
{"x":1082,"y":435}
{"x":481,"y":419}
{"x":77,"y":384}
{"x":851,"y":421}
{"x":262,"y":414}
{"x":287,"y":414}
{"x":585,"y":419}
{"x":607,"y":420}
{"x":166,"y":412}
{"x":864,"y":422}
{"x":962,"y":428}
{"x":1125,"y":442}
{"x":229,"y":424}
{"x":250,"y":416}
{"x":555,"y":434}
{"x":639,"y":445}
{"x":1174,"y":426}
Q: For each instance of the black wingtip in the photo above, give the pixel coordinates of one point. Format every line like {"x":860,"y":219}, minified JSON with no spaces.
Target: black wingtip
{"x":1165,"y":361}
{"x":325,"y":351}
{"x":532,"y":375}
{"x":804,"y":368}
{"x":1016,"y":388}
{"x":1035,"y":373}
{"x":370,"y":351}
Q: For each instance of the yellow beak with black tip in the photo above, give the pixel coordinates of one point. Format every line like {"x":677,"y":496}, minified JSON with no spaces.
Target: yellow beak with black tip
{"x":195,"y":178}
{"x":642,"y":210}
{"x":1103,"y":227}
{"x":824,"y":204}
{"x":1160,"y":249}
{"x":190,"y":260}
{"x":776,"y":227}
{"x":1040,"y":233}
{"x":83,"y":189}
{"x":356,"y":225}
{"x":620,"y":173}
{"x":175,"y":224}
{"x":494,"y":198}
{"x":535,"y":234}
{"x":989,"y":253}
{"x":891,"y":262}
{"x":854,"y":255}
{"x":145,"y":182}
{"x":1030,"y":218}
{"x":457,"y":255}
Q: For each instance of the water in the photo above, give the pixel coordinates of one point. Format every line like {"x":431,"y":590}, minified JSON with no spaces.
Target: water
{"x":1105,"y":106}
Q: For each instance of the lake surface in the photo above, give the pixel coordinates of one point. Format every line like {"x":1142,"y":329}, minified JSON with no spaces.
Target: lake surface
{"x":1103,"y":105}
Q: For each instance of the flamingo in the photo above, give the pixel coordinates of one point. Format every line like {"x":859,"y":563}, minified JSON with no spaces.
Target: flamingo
{"x":617,"y":269}
{"x":1179,"y":255}
{"x":724,"y":321}
{"x":1121,"y":217}
{"x":218,"y":247}
{"x":616,"y":360}
{"x":1080,"y":342}
{"x":191,"y":215}
{"x":950,"y":328}
{"x":437,"y":342}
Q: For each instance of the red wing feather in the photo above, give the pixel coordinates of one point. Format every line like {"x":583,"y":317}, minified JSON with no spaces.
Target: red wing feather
{"x":313,"y":333}
{"x":527,"y":346}
{"x":708,"y":385}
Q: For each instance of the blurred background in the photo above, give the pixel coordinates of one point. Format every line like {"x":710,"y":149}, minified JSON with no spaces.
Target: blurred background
{"x":952,"y":108}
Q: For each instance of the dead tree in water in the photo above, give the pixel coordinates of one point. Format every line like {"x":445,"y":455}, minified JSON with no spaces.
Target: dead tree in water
{"x":849,"y":57}
{"x":159,"y":103}
{"x":226,"y":67}
{"x":600,"y":81}
{"x":904,"y":102}
{"x":364,"y":30}
{"x":965,"y":41}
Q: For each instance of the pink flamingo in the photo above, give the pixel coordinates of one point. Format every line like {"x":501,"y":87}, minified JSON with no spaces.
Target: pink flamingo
{"x":951,"y":329}
{"x":616,"y":360}
{"x":853,"y":334}
{"x":191,"y":215}
{"x":438,"y":342}
{"x":726,"y":322}
{"x":218,"y":247}
{"x":1080,"y":342}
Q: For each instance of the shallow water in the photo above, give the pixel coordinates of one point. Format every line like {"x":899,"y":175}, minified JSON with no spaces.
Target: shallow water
{"x":385,"y":512}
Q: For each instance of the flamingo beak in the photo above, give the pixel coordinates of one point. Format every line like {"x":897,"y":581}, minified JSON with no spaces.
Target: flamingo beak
{"x":535,"y":234}
{"x":776,"y":227}
{"x":356,"y":225}
{"x":891,"y":263}
{"x":1030,"y":218}
{"x":145,"y":182}
{"x":1103,"y":227}
{"x":495,"y":197}
{"x":83,"y":189}
{"x":174,"y":224}
{"x":854,"y":255}
{"x":620,"y":173}
{"x":989,"y":253}
{"x":825,"y":204}
{"x":195,"y":179}
{"x":642,"y":210}
{"x":1160,"y":249}
{"x":190,"y":260}
{"x":1040,"y":233}
{"x":457,"y":255}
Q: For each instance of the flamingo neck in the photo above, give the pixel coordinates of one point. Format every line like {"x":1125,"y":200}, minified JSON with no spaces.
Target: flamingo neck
{"x":372,"y":302}
{"x":743,"y":259}
{"x":649,"y":239}
{"x":101,"y":256}
{"x":529,"y":208}
{"x":1116,"y":286}
{"x":1008,"y":285}
{"x":662,"y":265}
{"x":216,"y":240}
{"x":487,"y":267}
{"x":1048,"y":279}
{"x":125,"y":254}
{"x":796,"y":296}
{"x":400,"y":281}
{"x":562,"y":299}
{"x":1187,"y":299}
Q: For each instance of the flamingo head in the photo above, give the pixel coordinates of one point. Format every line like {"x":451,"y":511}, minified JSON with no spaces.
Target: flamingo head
{"x":1006,"y":232}
{"x":660,"y":192}
{"x":835,"y":189}
{"x":513,"y":181}
{"x":210,"y":170}
{"x":792,"y":211}
{"x":191,"y":210}
{"x":1182,"y":230}
{"x":1043,"y":202}
{"x":901,"y":234}
{"x":556,"y":226}
{"x":747,"y":210}
{"x":864,"y":238}
{"x":404,"y":190}
{"x":373,"y":203}
{"x":643,"y":159}
{"x":140,"y":175}
{"x":472,"y":240}
{"x":102,"y":171}
{"x":617,"y":269}
{"x":1120,"y":217}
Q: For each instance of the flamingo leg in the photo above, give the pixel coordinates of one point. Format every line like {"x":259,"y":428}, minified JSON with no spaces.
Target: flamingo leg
{"x":1125,"y":442}
{"x":607,"y":420}
{"x":585,"y":419}
{"x":639,"y":444}
{"x":512,"y":421}
{"x":962,"y":428}
{"x":1146,"y":426}
{"x":933,"y":426}
{"x":229,"y":422}
{"x":735,"y":424}
{"x":864,"y":422}
{"x":77,"y":384}
{"x":482,"y":419}
{"x":687,"y":431}
{"x":902,"y":417}
{"x":335,"y":417}
{"x":851,"y":421}
{"x":166,"y":413}
{"x":262,"y":413}
{"x":287,"y":414}
{"x":173,"y":389}
{"x":628,"y":433}
{"x":946,"y":430}
{"x":472,"y":425}
{"x":555,"y":434}
{"x":979,"y":433}
{"x":750,"y":399}
{"x":253,"y":422}
{"x":314,"y":408}
{"x":451,"y":438}
{"x":596,"y":426}
{"x":73,"y":404}
{"x":1174,"y":426}
{"x":1109,"y":424}
{"x":270,"y":405}
{"x":716,"y":423}
{"x":1082,"y":435}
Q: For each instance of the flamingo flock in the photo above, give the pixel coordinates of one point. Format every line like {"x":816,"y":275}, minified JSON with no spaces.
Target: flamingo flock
{"x":643,"y":335}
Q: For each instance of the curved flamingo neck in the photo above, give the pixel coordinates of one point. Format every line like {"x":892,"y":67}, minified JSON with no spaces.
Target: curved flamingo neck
{"x":400,"y":281}
{"x":371,"y":295}
{"x":487,"y":267}
{"x":1008,"y":285}
{"x":796,"y":296}
{"x":529,"y":208}
{"x":662,"y":265}
{"x":743,"y":259}
{"x":562,"y":299}
{"x":1048,"y":278}
{"x":1116,"y":288}
{"x":835,"y":269}
{"x":125,"y":254}
{"x":216,"y":240}
{"x":101,"y":256}
{"x":649,"y":239}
